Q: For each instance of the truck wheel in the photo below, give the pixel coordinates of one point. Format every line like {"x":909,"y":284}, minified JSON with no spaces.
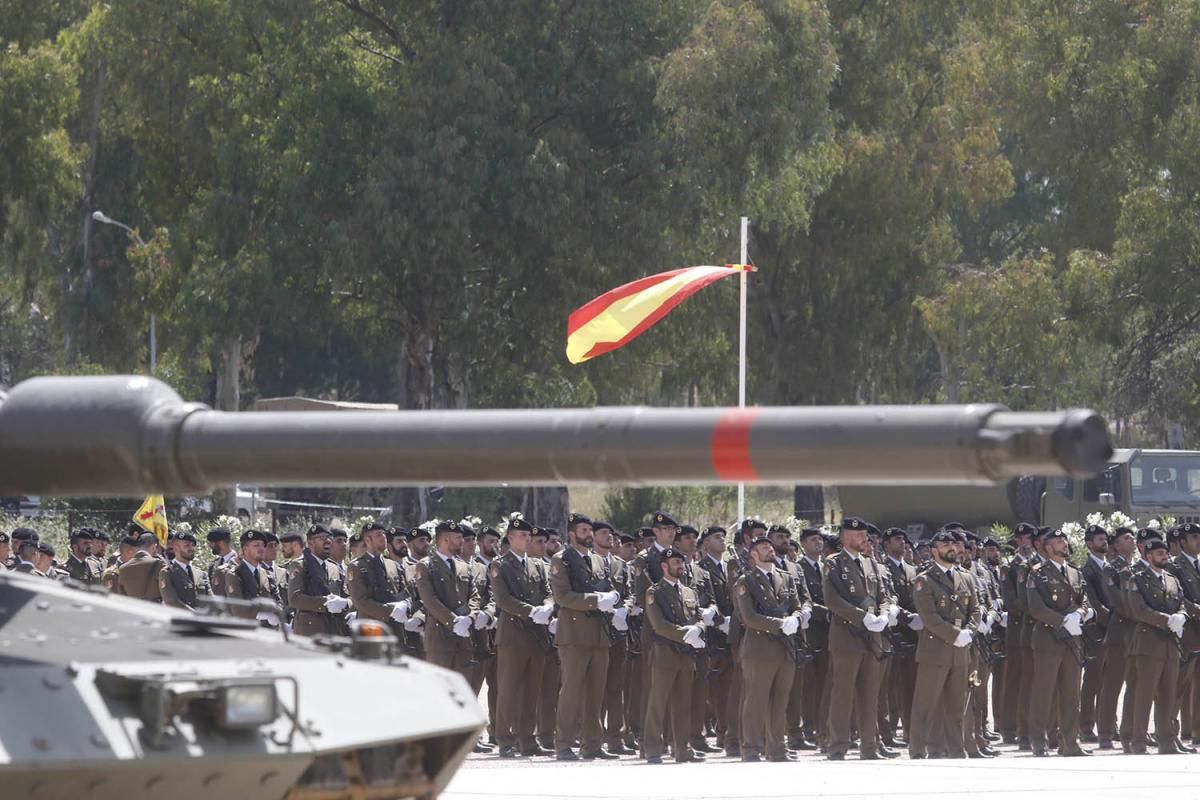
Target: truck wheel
{"x":1026,"y":498}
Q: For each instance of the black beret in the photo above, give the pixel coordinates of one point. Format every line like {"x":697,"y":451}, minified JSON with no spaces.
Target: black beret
{"x":779,"y":529}
{"x":1024,"y":529}
{"x":100,"y":536}
{"x":1053,"y":533}
{"x":339,"y":533}
{"x":318,"y":530}
{"x":24,"y":535}
{"x":185,"y":536}
{"x":520,"y":524}
{"x":1042,"y":531}
{"x":1173,"y":534}
{"x":872,"y":530}
{"x":488,"y":530}
{"x":356,"y":538}
{"x":671,"y":552}
{"x":271,"y":538}
{"x":627,"y":538}
{"x":644,"y":532}
{"x":990,"y":542}
{"x":1188,"y":528}
{"x":219,"y":535}
{"x":130,"y":541}
{"x":663,"y":520}
{"x":760,"y":540}
{"x":45,"y":548}
{"x":1094,"y":530}
{"x":601,"y":525}
{"x":467,"y":531}
{"x":1154,"y":544}
{"x":252,"y":535}
{"x":547,"y":532}
{"x":853,"y":524}
{"x":1121,"y":531}
{"x":372,"y":526}
{"x":971,"y":536}
{"x":397,"y":531}
{"x":892,"y":533}
{"x":752,"y":525}
{"x":807,"y":532}
{"x":1147,"y":534}
{"x":577,"y":519}
{"x":687,"y":530}
{"x":291,"y":536}
{"x":952,"y":526}
{"x":943,"y":537}
{"x":713,"y":530}
{"x":3,"y":538}
{"x":417,"y":533}
{"x":82,"y":534}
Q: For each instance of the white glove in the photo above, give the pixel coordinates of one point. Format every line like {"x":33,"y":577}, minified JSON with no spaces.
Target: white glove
{"x":414,"y":625}
{"x":695,"y":637}
{"x":985,"y":626}
{"x":607,"y":600}
{"x":1175,"y":623}
{"x":964,"y":638}
{"x":335,"y":604}
{"x":540,"y":615}
{"x":915,"y":623}
{"x":351,"y":616}
{"x":462,"y":626}
{"x":636,"y":611}
{"x":724,"y":627}
{"x":1089,"y":612}
{"x":1072,"y":624}
{"x":1003,"y":619}
{"x":400,"y":611}
{"x":708,"y":614}
{"x":873,"y":623}
{"x":553,"y":626}
{"x":893,"y":614}
{"x":996,"y":603}
{"x":805,"y":618}
{"x":481,"y":620}
{"x":790,"y":625}
{"x":268,"y":617}
{"x":620,"y":618}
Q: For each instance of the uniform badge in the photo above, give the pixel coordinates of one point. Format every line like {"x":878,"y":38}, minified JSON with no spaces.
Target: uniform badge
{"x":649,"y":598}
{"x":1054,"y":597}
{"x":741,"y":589}
{"x":555,"y":567}
{"x":495,"y":570}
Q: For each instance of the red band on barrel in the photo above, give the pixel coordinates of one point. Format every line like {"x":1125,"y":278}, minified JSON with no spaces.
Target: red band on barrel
{"x":731,"y":445}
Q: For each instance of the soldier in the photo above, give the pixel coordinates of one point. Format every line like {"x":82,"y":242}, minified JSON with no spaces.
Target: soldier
{"x":224,"y":559}
{"x":1058,"y":607}
{"x":977,"y":737}
{"x":676,"y":630}
{"x":1184,"y":568}
{"x":311,"y":595}
{"x":277,"y":575}
{"x":180,"y":585}
{"x":5,"y":551}
{"x":604,"y":541}
{"x":125,"y":551}
{"x":488,"y":544}
{"x":357,"y":548}
{"x":748,"y":531}
{"x":697,"y":579}
{"x":522,"y":590}
{"x":779,"y":537}
{"x":584,"y":595}
{"x":646,"y":569}
{"x":397,"y":545}
{"x":246,"y":579}
{"x":291,"y":544}
{"x":994,"y":564}
{"x":44,"y":562}
{"x":100,"y":543}
{"x":138,"y":577}
{"x":1018,"y":670}
{"x":720,"y":668}
{"x":1095,"y":539}
{"x":27,"y":556}
{"x":771,"y":612}
{"x":816,"y":671}
{"x":19,"y":537}
{"x":1124,"y":551}
{"x":448,"y":595}
{"x":900,"y":672}
{"x":81,"y":566}
{"x":856,"y":598}
{"x":1157,"y":607}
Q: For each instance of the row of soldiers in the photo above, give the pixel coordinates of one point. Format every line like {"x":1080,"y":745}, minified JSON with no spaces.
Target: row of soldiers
{"x":610,"y":644}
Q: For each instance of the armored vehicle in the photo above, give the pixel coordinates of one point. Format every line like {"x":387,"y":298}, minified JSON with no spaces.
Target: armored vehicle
{"x":108,"y":697}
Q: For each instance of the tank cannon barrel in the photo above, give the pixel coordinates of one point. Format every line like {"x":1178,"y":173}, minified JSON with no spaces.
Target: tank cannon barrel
{"x":123,"y":435}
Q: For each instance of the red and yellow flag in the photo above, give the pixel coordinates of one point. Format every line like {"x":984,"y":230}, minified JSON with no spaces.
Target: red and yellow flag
{"x":152,"y":517}
{"x":618,"y":316}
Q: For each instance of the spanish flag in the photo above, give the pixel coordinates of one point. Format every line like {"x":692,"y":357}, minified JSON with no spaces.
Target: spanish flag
{"x":618,"y":316}
{"x":152,"y":517}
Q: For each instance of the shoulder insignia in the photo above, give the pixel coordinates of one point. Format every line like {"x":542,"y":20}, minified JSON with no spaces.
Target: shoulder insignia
{"x":635,"y":569}
{"x":555,"y":567}
{"x":495,"y":570}
{"x":741,"y":589}
{"x":649,"y":598}
{"x":919,"y":582}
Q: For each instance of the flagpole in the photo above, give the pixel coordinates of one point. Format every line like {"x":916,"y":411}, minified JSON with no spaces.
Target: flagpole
{"x":741,"y":493}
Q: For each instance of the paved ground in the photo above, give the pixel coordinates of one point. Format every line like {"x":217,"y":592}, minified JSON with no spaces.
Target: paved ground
{"x":1011,"y":776}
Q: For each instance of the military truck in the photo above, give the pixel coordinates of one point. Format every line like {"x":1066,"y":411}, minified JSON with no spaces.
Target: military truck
{"x":1142,"y":484}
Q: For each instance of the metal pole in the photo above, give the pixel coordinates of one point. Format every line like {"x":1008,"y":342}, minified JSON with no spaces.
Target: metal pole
{"x":741,"y":487}
{"x":153,"y":345}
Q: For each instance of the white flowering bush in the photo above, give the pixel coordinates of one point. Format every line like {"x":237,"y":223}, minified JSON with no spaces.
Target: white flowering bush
{"x":795,"y":525}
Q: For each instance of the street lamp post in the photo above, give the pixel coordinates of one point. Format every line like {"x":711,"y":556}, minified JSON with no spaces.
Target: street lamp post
{"x":101,"y":217}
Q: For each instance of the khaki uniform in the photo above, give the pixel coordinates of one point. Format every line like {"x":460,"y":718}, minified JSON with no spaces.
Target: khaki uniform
{"x":447,"y":591}
{"x":1186,"y":572}
{"x":734,"y":567}
{"x":138,"y":577}
{"x":243,"y":582}
{"x":646,"y":569}
{"x":1154,"y":652}
{"x":181,"y":585}
{"x":720,"y":666}
{"x":852,"y":588}
{"x":616,"y":682}
{"x":816,"y":672}
{"x":1051,"y":593}
{"x":1013,"y":717}
{"x":484,"y":641}
{"x":764,"y":599}
{"x":520,"y":585}
{"x":85,"y":570}
{"x":1094,"y":648}
{"x":1115,"y":637}
{"x":900,"y":671}
{"x":671,"y":608}
{"x":308,"y":586}
{"x":947,"y":604}
{"x":583,"y":641}
{"x":375,"y":583}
